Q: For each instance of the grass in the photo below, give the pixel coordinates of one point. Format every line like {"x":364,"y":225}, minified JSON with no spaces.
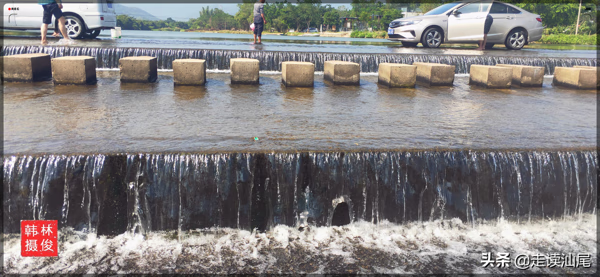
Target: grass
{"x":367,"y":34}
{"x":570,"y":39}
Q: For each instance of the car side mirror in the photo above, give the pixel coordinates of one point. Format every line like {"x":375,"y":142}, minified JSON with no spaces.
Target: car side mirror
{"x":456,"y":12}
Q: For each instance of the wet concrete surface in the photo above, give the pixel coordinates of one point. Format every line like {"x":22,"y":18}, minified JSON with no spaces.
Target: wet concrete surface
{"x":197,"y":40}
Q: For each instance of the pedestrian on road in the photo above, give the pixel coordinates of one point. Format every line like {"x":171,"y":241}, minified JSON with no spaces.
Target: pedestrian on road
{"x":53,"y":7}
{"x":259,"y":20}
{"x":486,"y":29}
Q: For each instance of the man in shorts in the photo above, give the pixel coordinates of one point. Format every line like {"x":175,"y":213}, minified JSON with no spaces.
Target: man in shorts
{"x":52,"y":7}
{"x":486,"y":29}
{"x":259,"y":20}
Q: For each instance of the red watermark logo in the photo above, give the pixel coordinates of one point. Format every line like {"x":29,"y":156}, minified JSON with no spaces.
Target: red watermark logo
{"x":39,"y":238}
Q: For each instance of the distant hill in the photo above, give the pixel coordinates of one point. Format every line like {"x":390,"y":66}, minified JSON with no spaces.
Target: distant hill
{"x":134,"y":12}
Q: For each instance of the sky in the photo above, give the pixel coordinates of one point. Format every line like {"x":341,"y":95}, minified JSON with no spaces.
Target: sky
{"x":183,"y":12}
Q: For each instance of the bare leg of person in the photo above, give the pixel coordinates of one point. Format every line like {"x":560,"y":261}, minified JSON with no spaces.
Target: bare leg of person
{"x":63,"y":29}
{"x":482,"y":43}
{"x":55,"y":34}
{"x":259,"y":42}
{"x":44,"y":30}
{"x":254,"y":38}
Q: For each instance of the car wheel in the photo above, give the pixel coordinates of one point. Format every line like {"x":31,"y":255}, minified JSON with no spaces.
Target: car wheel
{"x":516,"y":39}
{"x":489,"y":45}
{"x":432,"y":38}
{"x":92,"y":33}
{"x":75,"y":27}
{"x":409,"y":44}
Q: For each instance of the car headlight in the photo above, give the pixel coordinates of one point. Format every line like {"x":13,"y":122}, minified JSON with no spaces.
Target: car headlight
{"x":395,"y":24}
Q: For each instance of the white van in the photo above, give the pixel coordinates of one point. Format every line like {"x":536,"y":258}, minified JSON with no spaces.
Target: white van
{"x":84,"y":18}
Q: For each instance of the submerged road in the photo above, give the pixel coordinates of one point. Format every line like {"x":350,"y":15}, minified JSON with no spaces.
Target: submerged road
{"x":218,"y":41}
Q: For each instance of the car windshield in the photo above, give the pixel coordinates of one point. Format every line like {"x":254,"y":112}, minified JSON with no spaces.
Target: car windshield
{"x":442,"y":9}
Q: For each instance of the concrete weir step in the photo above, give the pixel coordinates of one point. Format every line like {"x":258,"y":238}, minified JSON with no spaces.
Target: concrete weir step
{"x":77,"y":70}
{"x":244,"y":71}
{"x":342,"y":73}
{"x":298,"y":74}
{"x":27,"y":68}
{"x":435,"y":74}
{"x":139,"y":69}
{"x":396,"y":75}
{"x":584,"y":77}
{"x":189,"y":72}
{"x":490,"y":76}
{"x":526,"y":76}
{"x":592,"y":68}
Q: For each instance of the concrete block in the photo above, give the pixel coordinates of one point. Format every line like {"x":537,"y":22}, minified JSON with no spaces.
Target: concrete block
{"x":342,"y":73}
{"x":435,"y":74}
{"x":140,"y":69}
{"x":576,"y":77}
{"x":397,"y":75}
{"x":490,"y":76}
{"x":78,"y":70}
{"x":298,"y":74}
{"x":592,"y":68}
{"x":189,"y":72}
{"x":526,"y":76}
{"x":27,"y":68}
{"x":244,"y":71}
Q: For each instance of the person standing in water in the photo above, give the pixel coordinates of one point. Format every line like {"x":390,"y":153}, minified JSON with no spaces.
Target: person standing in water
{"x":259,"y":20}
{"x":53,"y":7}
{"x":486,"y":29}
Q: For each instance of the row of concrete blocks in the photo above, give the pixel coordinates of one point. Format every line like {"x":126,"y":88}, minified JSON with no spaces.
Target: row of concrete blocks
{"x":82,"y":70}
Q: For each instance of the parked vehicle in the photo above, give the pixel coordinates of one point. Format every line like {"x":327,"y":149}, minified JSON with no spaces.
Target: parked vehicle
{"x":83,"y":18}
{"x":310,"y":30}
{"x":463,"y":22}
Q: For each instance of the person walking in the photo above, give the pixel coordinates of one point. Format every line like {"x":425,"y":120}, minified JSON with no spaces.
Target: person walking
{"x":259,"y":20}
{"x":53,"y":7}
{"x":486,"y":29}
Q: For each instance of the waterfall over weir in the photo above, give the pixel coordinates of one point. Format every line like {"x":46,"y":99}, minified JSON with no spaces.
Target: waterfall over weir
{"x":271,"y":60}
{"x":112,"y":194}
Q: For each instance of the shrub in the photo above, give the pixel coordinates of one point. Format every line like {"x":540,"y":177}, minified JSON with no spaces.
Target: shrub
{"x":570,"y":39}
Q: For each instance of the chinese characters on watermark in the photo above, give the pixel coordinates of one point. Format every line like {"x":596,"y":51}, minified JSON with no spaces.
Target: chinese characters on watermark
{"x":39,"y":238}
{"x":523,"y":261}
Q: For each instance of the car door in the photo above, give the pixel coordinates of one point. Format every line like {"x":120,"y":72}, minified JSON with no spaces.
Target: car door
{"x":467,"y":22}
{"x":10,"y":14}
{"x":30,"y":15}
{"x":504,"y":20}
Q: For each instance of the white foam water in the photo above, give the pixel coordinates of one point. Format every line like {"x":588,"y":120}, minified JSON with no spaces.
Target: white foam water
{"x":442,"y":246}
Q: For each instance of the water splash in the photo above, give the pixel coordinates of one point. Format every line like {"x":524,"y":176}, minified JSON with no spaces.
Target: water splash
{"x":141,"y":193}
{"x":271,"y":60}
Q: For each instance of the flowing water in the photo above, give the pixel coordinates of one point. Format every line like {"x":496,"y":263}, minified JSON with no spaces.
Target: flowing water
{"x":110,"y":194}
{"x":223,"y":41}
{"x":157,"y":178}
{"x":217,"y":59}
{"x":137,"y":118}
{"x":436,"y":247}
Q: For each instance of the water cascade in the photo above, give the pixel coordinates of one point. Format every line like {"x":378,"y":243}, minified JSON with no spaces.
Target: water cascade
{"x":271,"y":60}
{"x":113,"y":194}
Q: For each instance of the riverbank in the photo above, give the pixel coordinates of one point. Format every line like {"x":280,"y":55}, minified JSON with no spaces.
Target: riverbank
{"x":321,"y":34}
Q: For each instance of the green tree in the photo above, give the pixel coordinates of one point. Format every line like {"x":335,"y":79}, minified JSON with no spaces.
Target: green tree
{"x":244,"y":16}
{"x":308,"y":12}
{"x":331,"y":17}
{"x":426,"y":7}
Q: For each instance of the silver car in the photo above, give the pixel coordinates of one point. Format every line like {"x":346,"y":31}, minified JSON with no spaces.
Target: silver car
{"x":463,"y":22}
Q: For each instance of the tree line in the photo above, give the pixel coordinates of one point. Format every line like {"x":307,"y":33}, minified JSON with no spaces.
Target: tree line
{"x":300,"y":15}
